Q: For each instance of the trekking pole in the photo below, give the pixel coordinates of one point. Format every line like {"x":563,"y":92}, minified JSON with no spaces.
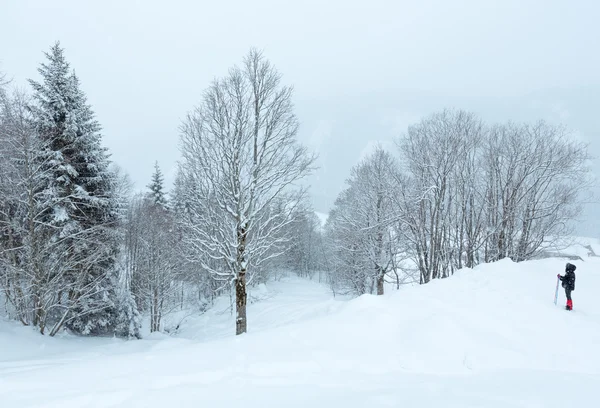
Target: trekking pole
{"x":556,"y":292}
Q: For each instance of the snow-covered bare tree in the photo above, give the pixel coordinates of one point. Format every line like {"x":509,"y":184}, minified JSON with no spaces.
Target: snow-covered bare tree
{"x":240,"y":151}
{"x":467,"y":201}
{"x":154,"y":269}
{"x":3,"y":82}
{"x":473,"y":193}
{"x":304,"y":256}
{"x":24,"y":245}
{"x":128,"y":318}
{"x":347,"y":268}
{"x":190,"y":270}
{"x":362,"y":232}
{"x":434,"y":213}
{"x":535,"y":178}
{"x":151,"y":252}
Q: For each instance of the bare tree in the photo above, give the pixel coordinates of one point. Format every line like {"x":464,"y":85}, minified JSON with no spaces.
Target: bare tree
{"x":473,"y":193}
{"x":465,"y":193}
{"x":151,"y":258}
{"x":240,"y":151}
{"x":3,"y":82}
{"x":349,"y":270}
{"x":23,"y":241}
{"x":432,"y":151}
{"x":361,"y":230}
{"x":304,"y":254}
{"x":535,"y":178}
{"x":467,"y":225}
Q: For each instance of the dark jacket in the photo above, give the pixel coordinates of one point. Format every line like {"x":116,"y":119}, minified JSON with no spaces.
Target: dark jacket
{"x":568,"y":281}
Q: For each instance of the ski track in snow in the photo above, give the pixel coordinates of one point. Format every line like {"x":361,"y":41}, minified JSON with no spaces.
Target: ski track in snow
{"x":488,"y":337}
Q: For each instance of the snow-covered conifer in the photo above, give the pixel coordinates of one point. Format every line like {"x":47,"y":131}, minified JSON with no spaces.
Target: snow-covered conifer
{"x":79,"y":196}
{"x":156,"y":186}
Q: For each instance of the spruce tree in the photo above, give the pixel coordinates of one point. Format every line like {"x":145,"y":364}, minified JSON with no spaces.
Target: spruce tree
{"x":79,"y":195}
{"x":156,"y":186}
{"x":178,"y":195}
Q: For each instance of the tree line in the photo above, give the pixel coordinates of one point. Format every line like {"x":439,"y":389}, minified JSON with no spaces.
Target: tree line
{"x":79,"y":250}
{"x":458,"y":192}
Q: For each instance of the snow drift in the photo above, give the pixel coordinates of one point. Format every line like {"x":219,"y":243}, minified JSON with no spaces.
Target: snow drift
{"x":488,"y":337}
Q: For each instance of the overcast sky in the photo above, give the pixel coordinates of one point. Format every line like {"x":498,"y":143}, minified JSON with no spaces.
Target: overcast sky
{"x":362,"y":70}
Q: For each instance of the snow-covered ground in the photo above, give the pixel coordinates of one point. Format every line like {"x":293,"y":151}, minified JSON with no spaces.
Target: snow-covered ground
{"x":489,"y":337}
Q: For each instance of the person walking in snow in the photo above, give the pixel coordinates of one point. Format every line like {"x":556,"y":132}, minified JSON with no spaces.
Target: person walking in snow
{"x":568,"y":282}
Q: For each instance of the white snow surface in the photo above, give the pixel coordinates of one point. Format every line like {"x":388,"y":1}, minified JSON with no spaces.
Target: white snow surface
{"x":488,"y":337}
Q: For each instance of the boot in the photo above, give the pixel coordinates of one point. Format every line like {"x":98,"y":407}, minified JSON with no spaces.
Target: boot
{"x":569,"y":305}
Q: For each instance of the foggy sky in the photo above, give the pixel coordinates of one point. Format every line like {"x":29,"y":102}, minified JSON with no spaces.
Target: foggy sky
{"x":362,"y":71}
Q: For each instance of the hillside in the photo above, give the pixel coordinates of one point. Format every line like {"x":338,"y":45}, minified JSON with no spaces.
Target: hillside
{"x":488,"y":337}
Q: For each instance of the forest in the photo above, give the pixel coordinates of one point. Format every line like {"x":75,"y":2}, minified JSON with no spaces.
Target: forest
{"x":81,"y":251}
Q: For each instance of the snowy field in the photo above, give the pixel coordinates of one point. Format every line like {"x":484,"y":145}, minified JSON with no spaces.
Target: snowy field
{"x":489,"y":337}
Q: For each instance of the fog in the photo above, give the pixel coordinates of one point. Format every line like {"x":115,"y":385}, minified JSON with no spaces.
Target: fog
{"x":362,"y":71}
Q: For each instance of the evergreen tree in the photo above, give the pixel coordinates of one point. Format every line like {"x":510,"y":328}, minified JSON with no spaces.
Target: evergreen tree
{"x":179,"y":198}
{"x":79,"y":195}
{"x":157,"y":194}
{"x":128,"y":319}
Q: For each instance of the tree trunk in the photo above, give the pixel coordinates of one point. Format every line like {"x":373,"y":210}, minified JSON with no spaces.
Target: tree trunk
{"x":39,"y":316}
{"x":59,"y":324}
{"x":154,"y":325}
{"x":240,"y":285}
{"x":380,"y":284}
{"x":379,"y":274}
{"x":240,"y":303}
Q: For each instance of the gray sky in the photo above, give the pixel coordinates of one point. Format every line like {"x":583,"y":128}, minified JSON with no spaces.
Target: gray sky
{"x":362,"y":71}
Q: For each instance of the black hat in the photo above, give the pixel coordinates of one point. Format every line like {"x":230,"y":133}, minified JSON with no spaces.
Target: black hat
{"x":570,"y":267}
